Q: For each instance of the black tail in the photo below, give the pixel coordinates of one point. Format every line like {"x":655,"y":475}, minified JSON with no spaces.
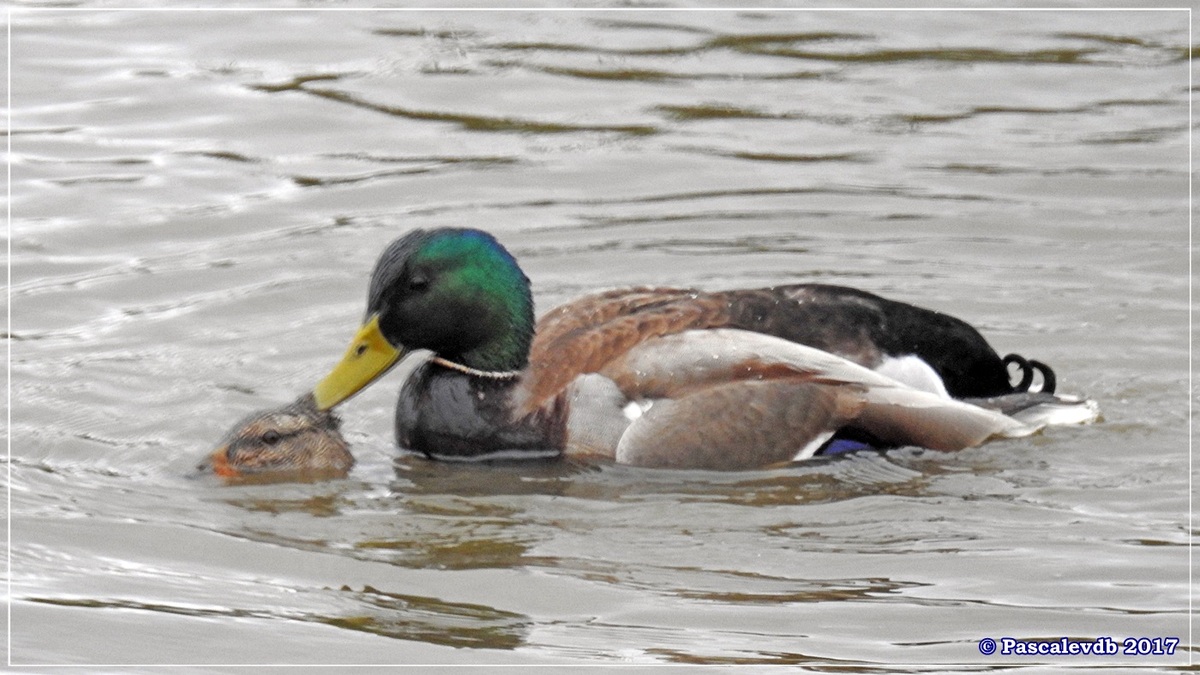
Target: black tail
{"x":1028,"y":368}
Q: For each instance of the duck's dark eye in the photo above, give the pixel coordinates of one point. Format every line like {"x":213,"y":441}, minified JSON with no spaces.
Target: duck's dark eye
{"x":272,"y":437}
{"x":418,"y":283}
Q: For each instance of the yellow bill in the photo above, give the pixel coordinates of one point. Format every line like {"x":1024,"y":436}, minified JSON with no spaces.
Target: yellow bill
{"x":368,"y":357}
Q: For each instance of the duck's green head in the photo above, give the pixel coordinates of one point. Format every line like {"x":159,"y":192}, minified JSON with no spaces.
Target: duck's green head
{"x":456,"y":292}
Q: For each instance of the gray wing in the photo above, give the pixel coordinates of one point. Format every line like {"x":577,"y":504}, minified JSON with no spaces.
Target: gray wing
{"x":730,"y":399}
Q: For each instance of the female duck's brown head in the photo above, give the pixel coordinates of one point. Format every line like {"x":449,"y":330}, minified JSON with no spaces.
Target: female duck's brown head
{"x":295,"y":442}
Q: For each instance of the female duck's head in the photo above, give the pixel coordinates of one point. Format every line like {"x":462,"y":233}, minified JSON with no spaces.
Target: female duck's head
{"x":295,"y":442}
{"x":455,"y":292}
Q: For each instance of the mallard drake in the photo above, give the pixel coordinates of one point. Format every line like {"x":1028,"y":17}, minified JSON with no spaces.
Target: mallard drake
{"x":664,"y":377}
{"x":295,"y":441}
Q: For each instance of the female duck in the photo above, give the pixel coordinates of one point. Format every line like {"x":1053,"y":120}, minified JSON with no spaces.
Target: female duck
{"x":662,"y":377}
{"x":292,"y":442}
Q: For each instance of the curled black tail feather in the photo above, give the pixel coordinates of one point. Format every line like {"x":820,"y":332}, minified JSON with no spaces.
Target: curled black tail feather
{"x":1026,"y":371}
{"x":1049,"y":382}
{"x":1028,"y":368}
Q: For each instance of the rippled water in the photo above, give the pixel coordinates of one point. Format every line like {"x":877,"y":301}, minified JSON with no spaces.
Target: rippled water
{"x":198,"y":197}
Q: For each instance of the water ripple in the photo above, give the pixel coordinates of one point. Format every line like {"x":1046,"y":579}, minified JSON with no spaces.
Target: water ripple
{"x":466,"y":121}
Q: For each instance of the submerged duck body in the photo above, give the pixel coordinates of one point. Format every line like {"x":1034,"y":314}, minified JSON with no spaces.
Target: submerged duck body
{"x":662,"y":376}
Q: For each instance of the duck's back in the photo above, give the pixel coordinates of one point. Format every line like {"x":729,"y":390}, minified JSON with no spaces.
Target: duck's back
{"x":581,"y":336}
{"x":869,"y":330}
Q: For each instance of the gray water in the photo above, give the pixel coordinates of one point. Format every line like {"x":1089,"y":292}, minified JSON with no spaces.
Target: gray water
{"x":198,"y":198}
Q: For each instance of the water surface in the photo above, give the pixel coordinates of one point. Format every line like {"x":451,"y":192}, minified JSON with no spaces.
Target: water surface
{"x":198,"y":198}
